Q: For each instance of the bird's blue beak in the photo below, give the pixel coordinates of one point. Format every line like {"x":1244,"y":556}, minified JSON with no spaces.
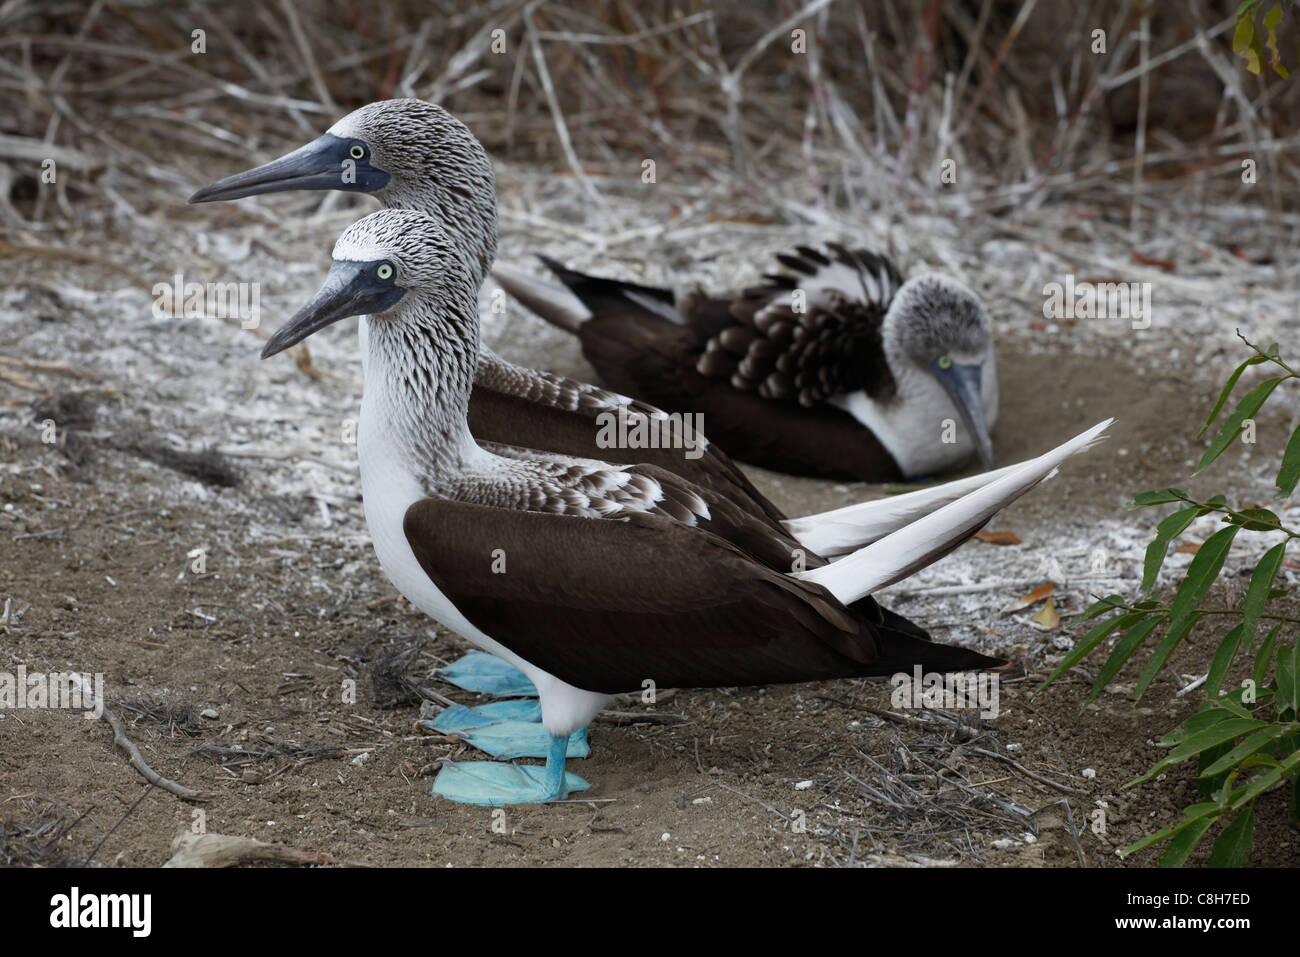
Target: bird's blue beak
{"x":328,"y":162}
{"x":962,"y":383}
{"x":350,"y":289}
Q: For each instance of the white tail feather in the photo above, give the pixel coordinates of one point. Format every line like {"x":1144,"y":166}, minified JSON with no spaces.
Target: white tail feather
{"x":552,"y":301}
{"x":926,"y":540}
{"x":843,"y":530}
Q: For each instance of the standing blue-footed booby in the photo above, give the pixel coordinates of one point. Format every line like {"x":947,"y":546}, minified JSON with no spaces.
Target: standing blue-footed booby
{"x":592,"y":577}
{"x":837,"y":368}
{"x":414,"y":155}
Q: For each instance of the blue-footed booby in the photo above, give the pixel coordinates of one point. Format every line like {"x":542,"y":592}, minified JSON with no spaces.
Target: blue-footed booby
{"x":592,"y":577}
{"x":413,"y":154}
{"x":836,"y":367}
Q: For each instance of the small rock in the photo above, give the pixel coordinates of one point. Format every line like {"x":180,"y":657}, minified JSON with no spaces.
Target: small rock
{"x":802,"y":785}
{"x":1089,"y":773}
{"x":209,"y":713}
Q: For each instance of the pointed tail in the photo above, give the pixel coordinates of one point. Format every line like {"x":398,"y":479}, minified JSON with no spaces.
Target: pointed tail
{"x":911,"y":548}
{"x":843,"y":530}
{"x":901,"y":651}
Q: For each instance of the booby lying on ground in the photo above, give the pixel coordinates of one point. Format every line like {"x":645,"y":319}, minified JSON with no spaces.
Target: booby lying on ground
{"x":837,"y":368}
{"x":589,"y":577}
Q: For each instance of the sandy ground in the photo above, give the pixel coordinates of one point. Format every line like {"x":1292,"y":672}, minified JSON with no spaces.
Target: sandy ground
{"x":230,"y":678}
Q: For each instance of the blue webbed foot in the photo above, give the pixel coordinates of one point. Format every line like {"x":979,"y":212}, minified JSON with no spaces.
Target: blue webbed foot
{"x":494,"y":784}
{"x":488,"y":674}
{"x":505,"y":729}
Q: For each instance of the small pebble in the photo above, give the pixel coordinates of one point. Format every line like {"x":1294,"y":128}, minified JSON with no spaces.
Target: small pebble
{"x":1089,"y":773}
{"x":803,"y":785}
{"x":209,"y":713}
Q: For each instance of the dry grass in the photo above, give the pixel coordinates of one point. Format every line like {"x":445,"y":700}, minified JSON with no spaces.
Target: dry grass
{"x":886,"y":90}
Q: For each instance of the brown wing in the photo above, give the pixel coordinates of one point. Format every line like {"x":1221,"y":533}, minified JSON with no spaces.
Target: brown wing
{"x":605,"y":604}
{"x":557,"y":414}
{"x":806,"y":336}
{"x":641,"y":347}
{"x":647,"y":356}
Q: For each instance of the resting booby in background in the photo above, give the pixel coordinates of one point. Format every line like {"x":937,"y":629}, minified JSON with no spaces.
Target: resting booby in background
{"x":613,"y":574}
{"x":838,"y":368}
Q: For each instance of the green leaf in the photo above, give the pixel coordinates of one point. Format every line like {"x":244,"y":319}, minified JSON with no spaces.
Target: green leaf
{"x":1233,"y":846}
{"x":1271,"y":20}
{"x":1210,"y":786}
{"x":1231,"y":702}
{"x":1289,"y":473}
{"x":1123,"y":651}
{"x":1266,"y":780}
{"x":1213,"y":736}
{"x":1202,"y":572}
{"x":1160,"y":496}
{"x":1109,"y":603}
{"x":1265,"y":656}
{"x":1197,"y":812}
{"x":1174,"y":635}
{"x":1092,"y":639}
{"x":1261,"y":582}
{"x":1284,"y":673}
{"x":1242,"y":751}
{"x":1255,"y":520}
{"x":1170,"y":528}
{"x":1210,"y":713}
{"x":1223,"y":658}
{"x":1245,"y":43}
{"x":1185,"y":841}
{"x":1253,"y":360}
{"x":1216,"y":734}
{"x":1246,"y":409}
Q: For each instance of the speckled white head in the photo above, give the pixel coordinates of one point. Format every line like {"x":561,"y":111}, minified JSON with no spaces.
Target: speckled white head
{"x":938,"y":341}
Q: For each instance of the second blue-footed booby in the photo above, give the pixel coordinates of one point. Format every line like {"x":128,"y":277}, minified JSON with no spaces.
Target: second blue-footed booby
{"x":836,"y":367}
{"x":592,"y":577}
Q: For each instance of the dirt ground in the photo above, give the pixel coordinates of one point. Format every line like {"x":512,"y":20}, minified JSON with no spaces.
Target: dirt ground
{"x":230,"y":680}
{"x":172,"y":437}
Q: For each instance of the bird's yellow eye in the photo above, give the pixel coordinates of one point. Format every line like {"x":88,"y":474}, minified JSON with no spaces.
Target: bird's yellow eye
{"x":384,"y":271}
{"x":945,"y":362}
{"x":357,"y":151}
